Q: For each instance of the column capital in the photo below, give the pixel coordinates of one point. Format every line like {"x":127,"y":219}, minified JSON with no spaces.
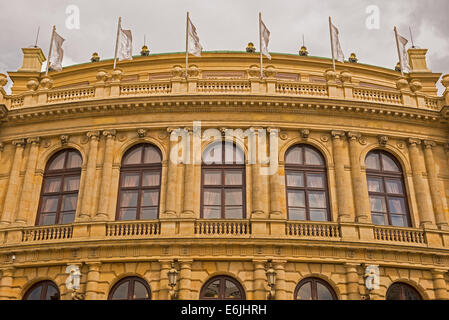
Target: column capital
{"x":260,"y":262}
{"x":353,"y":136}
{"x":337,"y":134}
{"x":437,"y":271}
{"x":94,"y":265}
{"x":413,"y":142}
{"x":20,"y":143}
{"x":429,"y":144}
{"x":93,"y":135}
{"x":34,"y":141}
{"x":110,"y":133}
{"x":273,"y":130}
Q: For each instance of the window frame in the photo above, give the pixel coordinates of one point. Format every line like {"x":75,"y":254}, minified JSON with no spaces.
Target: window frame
{"x":141,"y":169}
{"x":62,"y":174}
{"x":403,"y":286}
{"x":45,"y":284}
{"x":384,"y":176}
{"x":314,"y":290}
{"x":131,"y":288}
{"x":222,"y":168}
{"x":307,"y":169}
{"x":221,"y":292}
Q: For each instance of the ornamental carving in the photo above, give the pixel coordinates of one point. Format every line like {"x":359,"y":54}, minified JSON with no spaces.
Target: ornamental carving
{"x":46,"y":83}
{"x":117,"y":75}
{"x":32,"y":84}
{"x":102,"y":75}
{"x":177,"y":72}
{"x":383,"y":140}
{"x":346,"y":77}
{"x":415,"y":85}
{"x":428,"y":144}
{"x":3,"y":80}
{"x":142,"y":133}
{"x":305,"y":133}
{"x":64,"y":139}
{"x":330,"y":75}
{"x":254,"y":71}
{"x":414,"y":142}
{"x":270,"y":72}
{"x":193,"y":71}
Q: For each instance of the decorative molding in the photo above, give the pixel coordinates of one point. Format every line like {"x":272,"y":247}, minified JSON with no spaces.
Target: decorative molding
{"x":20,"y":143}
{"x":93,"y":135}
{"x":305,"y":133}
{"x":35,"y":140}
{"x":400,"y":145}
{"x":428,"y":144}
{"x":414,"y":142}
{"x":324,"y":138}
{"x":142,"y":133}
{"x":283,"y":135}
{"x":337,"y":134}
{"x":383,"y":140}
{"x":64,"y":139}
{"x":110,"y":133}
{"x":353,"y":135}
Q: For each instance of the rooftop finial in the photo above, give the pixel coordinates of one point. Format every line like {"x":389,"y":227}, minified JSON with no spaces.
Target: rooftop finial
{"x":95,"y":57}
{"x":303,"y":51}
{"x":250,"y":48}
{"x":353,"y":58}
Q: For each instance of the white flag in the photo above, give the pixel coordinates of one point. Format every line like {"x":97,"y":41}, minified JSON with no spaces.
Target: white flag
{"x":125,"y":46}
{"x":403,"y":52}
{"x":338,"y":53}
{"x":57,"y":54}
{"x":265,"y":37}
{"x":194,"y":46}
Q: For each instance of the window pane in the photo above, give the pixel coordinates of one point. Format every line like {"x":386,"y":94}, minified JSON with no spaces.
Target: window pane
{"x":394,"y":186}
{"x":52,"y":185}
{"x":313,"y":158}
{"x":233,"y":197}
{"x":295,"y":179}
{"x":235,"y":212}
{"x":389,"y":164}
{"x":74,"y":160}
{"x":315,"y":180}
{"x":398,"y":220}
{"x":305,"y":292}
{"x":232,"y":291}
{"x":150,"y":198}
{"x":69,"y":202}
{"x":49,"y":204}
{"x":121,"y":292}
{"x":297,"y":214}
{"x":52,"y":293}
{"x":151,"y":179}
{"x":323,"y":293}
{"x":375,"y":185}
{"x":233,"y":178}
{"x":130,"y":180}
{"x":397,"y":205}
{"x":128,"y":214}
{"x":212,"y":154}
{"x":296,"y":199}
{"x":68,"y":217}
{"x":151,"y":155}
{"x":410,"y":294}
{"x":72,"y":183}
{"x":212,"y":197}
{"x":372,"y":161}
{"x":379,"y":219}
{"x":212,"y":178}
{"x":378,"y":204}
{"x":317,"y":200}
{"x":129,"y":199}
{"x":47,"y":219}
{"x":294,"y":156}
{"x":212,"y":290}
{"x":134,"y":156}
{"x":149,"y":213}
{"x":140,"y":292}
{"x":212,"y":212}
{"x":233,"y":154}
{"x":35,"y":294}
{"x":58,"y":162}
{"x":318,"y":215}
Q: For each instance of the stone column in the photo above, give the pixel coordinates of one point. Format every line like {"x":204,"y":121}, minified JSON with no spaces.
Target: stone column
{"x":105,"y":195}
{"x":255,"y":176}
{"x":13,"y":184}
{"x":435,"y":191}
{"x":87,"y":200}
{"x":2,"y":146}
{"x":440,"y":285}
{"x":185,"y":280}
{"x":27,"y":190}
{"x":170,"y":203}
{"x":163,"y":280}
{"x":187,"y":207}
{"x":7,"y":276}
{"x":93,"y":278}
{"x":275,"y":188}
{"x":279,"y":267}
{"x":260,"y":280}
{"x":342,"y":194}
{"x":352,"y":282}
{"x":359,"y":183}
{"x":422,"y":197}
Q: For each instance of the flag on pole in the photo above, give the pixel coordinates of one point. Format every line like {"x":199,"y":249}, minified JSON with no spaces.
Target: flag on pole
{"x":337,"y":53}
{"x":56,"y":54}
{"x":194,"y":47}
{"x":264,"y":39}
{"x":402,"y":51}
{"x":125,"y":50}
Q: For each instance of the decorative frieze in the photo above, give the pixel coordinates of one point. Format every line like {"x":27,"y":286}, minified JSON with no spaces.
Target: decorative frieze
{"x":383,"y":140}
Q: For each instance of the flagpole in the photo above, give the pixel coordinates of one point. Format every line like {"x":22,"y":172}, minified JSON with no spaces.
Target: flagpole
{"x":116,"y":41}
{"x":399,"y":51}
{"x":332,"y":44}
{"x":187,"y":44}
{"x":411,"y":37}
{"x":37,"y":37}
{"x":260,"y":39}
{"x":51,"y":48}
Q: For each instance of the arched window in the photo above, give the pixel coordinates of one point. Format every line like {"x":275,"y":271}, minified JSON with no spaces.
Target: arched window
{"x":140,"y":184}
{"x":222,"y":288}
{"x":59,"y":195}
{"x":314,"y":289}
{"x":386,"y":190}
{"x":131,"y":288}
{"x":402,"y":291}
{"x":306,"y":184}
{"x":223,"y":182}
{"x":45,"y":290}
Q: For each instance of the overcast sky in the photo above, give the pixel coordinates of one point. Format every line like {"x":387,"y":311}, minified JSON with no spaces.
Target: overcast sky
{"x":227,"y":25}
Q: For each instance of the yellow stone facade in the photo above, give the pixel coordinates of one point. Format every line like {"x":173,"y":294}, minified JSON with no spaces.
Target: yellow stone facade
{"x":344,"y":114}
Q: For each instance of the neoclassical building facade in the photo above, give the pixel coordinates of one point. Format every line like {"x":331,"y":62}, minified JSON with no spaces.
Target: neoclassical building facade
{"x":132,"y":178}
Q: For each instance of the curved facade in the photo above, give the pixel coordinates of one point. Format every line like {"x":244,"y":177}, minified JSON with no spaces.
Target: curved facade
{"x":323,"y":177}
